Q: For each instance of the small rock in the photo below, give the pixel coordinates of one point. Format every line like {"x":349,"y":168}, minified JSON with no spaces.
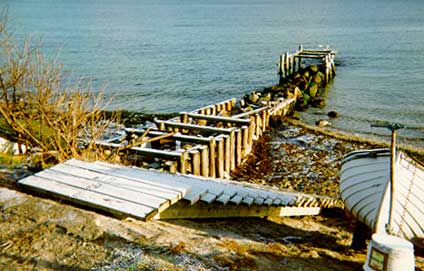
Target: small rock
{"x":322,"y":123}
{"x":333,"y":114}
{"x":318,"y":102}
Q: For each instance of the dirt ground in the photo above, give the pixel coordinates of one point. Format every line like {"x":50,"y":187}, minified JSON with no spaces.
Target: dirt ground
{"x":44,"y":234}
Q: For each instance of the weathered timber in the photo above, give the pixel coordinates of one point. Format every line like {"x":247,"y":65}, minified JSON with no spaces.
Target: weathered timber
{"x":213,"y":118}
{"x":88,"y":198}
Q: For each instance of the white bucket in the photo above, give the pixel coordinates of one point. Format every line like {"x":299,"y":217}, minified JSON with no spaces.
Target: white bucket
{"x":389,"y":253}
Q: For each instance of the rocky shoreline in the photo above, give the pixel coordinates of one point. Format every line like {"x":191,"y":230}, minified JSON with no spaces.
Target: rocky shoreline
{"x":42,"y":234}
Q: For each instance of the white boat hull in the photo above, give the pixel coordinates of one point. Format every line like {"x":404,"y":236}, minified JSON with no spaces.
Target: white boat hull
{"x":365,"y":190}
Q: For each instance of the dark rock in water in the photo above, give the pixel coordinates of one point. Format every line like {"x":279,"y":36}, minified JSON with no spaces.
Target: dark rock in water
{"x":333,"y":114}
{"x":322,"y":123}
{"x":313,"y":69}
{"x":318,"y":102}
{"x":302,"y":85}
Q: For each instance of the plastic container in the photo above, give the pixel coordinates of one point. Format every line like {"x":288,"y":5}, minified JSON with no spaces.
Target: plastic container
{"x":389,"y":253}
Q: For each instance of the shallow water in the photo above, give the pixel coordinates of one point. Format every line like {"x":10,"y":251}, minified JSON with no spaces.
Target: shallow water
{"x":168,"y":55}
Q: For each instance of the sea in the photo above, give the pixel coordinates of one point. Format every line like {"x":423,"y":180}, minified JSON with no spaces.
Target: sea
{"x":161,"y":56}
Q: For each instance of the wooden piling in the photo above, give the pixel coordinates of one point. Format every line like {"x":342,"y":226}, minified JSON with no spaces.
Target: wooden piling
{"x":258,"y":130}
{"x":245,"y":138}
{"x":204,"y":160}
{"x":286,"y":64}
{"x":252,"y":128}
{"x":195,"y":162}
{"x":212,"y":157}
{"x":238,"y":144}
{"x":227,"y":157}
{"x":220,"y":158}
{"x":233,"y":149}
{"x":299,"y":59}
{"x":172,"y":166}
{"x":183,"y":162}
{"x":281,"y":68}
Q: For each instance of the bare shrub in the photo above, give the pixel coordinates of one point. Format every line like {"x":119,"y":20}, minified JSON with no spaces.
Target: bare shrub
{"x":43,"y":109}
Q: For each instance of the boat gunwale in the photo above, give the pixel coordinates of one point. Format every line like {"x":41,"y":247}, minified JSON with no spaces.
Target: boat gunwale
{"x":373,"y":153}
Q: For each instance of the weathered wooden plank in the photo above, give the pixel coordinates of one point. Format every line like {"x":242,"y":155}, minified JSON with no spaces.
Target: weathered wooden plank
{"x":224,"y":199}
{"x":248,"y":200}
{"x":105,"y":189}
{"x":268,"y":201}
{"x":162,"y":181}
{"x":208,"y":197}
{"x":249,"y":113}
{"x":178,"y":181}
{"x":236,"y":199}
{"x":259,"y":201}
{"x":194,"y":127}
{"x":195,"y":194}
{"x":216,"y":210}
{"x":55,"y":172}
{"x":214,"y":118}
{"x":173,"y":155}
{"x":299,"y":211}
{"x":89,"y":198}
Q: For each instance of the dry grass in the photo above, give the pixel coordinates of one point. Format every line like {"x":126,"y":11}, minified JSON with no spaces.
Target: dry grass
{"x":41,"y":107}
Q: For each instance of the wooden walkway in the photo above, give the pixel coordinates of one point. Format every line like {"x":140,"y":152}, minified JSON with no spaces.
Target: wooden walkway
{"x":146,"y":194}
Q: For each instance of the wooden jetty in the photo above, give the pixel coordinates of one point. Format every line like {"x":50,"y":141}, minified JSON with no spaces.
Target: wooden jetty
{"x":198,"y":149}
{"x":210,"y":141}
{"x":213,"y":140}
{"x":292,"y":62}
{"x":147,"y":194}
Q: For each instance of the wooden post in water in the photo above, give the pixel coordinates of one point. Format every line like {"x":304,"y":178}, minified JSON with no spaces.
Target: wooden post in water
{"x":184,"y":117}
{"x":280,"y":69}
{"x":286,"y":64}
{"x":299,"y":59}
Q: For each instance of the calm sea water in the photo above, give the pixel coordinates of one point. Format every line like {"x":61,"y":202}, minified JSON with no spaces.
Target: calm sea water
{"x":175,"y":55}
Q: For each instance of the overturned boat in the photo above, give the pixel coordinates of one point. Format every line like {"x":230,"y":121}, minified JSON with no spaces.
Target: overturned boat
{"x":385,"y":191}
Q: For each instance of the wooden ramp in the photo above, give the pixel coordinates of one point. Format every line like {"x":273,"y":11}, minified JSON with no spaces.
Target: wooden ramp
{"x":146,"y":194}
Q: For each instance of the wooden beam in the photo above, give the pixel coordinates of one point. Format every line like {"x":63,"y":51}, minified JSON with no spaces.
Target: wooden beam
{"x":249,"y":113}
{"x":183,"y":210}
{"x":172,"y":155}
{"x":220,"y":119}
{"x":194,"y":127}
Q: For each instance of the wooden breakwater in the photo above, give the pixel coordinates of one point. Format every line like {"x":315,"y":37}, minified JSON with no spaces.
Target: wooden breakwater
{"x":293,"y":62}
{"x":210,"y":141}
{"x":213,"y":140}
